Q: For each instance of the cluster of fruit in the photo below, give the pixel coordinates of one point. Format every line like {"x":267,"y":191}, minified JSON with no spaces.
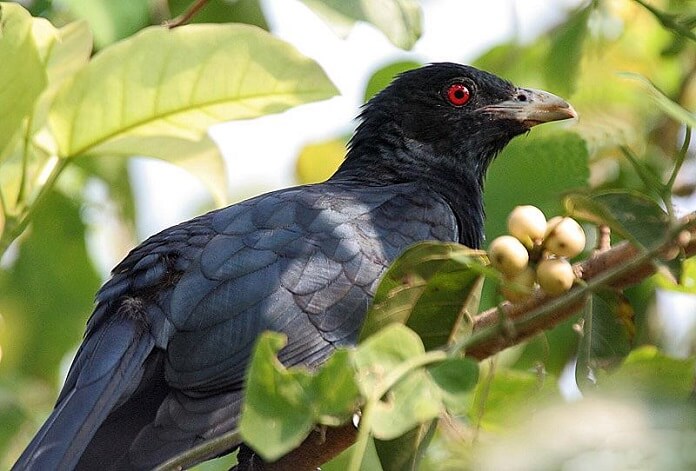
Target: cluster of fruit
{"x":536,"y":251}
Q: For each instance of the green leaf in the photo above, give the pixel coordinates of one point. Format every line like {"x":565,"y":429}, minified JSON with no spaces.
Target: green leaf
{"x":282,"y":405}
{"x":413,"y":400}
{"x":69,"y":52}
{"x":177,"y":83}
{"x":399,"y":20}
{"x":628,"y":213}
{"x":335,"y":390}
{"x":223,"y":11}
{"x":383,"y":77}
{"x":565,"y":55}
{"x":651,"y":374}
{"x":429,"y":288}
{"x":39,"y":297}
{"x":109,"y":20}
{"x":507,"y":392}
{"x":607,"y":333}
{"x":22,"y":74}
{"x":404,"y":452}
{"x":275,"y":417}
{"x":456,"y":377}
{"x":552,"y":163}
{"x":670,"y":107}
{"x":319,"y":160}
{"x":201,"y":158}
{"x":381,"y":353}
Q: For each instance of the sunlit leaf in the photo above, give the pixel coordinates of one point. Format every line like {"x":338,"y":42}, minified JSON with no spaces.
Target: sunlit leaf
{"x":318,"y":161}
{"x":399,"y":20}
{"x":22,"y":74}
{"x":428,"y":288}
{"x":177,"y":83}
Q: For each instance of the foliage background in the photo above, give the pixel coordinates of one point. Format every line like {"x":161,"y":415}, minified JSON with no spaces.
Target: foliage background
{"x":103,"y":205}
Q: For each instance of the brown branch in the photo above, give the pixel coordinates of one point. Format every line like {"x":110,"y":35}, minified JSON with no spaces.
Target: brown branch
{"x":314,"y":451}
{"x":186,"y":16}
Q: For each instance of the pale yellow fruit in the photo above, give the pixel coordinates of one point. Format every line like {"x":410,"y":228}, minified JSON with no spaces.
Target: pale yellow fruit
{"x":508,"y":255}
{"x":564,"y":237}
{"x":519,"y":287}
{"x":527,"y":223}
{"x":555,"y":276}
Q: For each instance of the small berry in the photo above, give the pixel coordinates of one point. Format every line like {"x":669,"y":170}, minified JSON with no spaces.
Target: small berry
{"x":528,"y":224}
{"x":555,"y":276}
{"x":508,"y":255}
{"x":564,"y":237}
{"x":519,"y":287}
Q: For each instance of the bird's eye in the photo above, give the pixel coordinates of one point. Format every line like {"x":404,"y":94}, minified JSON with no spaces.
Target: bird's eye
{"x":458,"y":94}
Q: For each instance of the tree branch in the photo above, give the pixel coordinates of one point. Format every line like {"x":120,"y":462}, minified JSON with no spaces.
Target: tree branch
{"x":619,"y":267}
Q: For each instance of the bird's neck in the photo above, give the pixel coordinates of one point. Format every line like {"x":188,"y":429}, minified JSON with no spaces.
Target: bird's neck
{"x":457,"y":178}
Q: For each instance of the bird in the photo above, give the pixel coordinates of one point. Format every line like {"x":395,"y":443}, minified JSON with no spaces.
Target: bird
{"x":163,"y":361}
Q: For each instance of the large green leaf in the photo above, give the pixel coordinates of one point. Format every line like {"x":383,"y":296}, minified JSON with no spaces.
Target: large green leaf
{"x":22,"y":73}
{"x":630,"y":214}
{"x":282,"y":405}
{"x":535,"y":170}
{"x":399,"y":20}
{"x":428,"y":288}
{"x":177,"y":83}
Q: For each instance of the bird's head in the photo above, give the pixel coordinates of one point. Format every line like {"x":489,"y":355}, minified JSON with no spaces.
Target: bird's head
{"x":448,"y":117}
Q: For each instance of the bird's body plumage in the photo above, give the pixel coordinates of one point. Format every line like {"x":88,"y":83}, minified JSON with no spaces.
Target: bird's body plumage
{"x":163,"y":361}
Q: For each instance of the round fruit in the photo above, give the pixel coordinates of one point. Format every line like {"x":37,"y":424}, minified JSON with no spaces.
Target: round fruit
{"x":564,"y":237}
{"x":508,"y":255}
{"x":519,"y":287}
{"x":528,"y":224}
{"x":555,"y":276}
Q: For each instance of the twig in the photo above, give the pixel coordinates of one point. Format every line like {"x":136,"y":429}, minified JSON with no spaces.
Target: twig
{"x":186,"y":16}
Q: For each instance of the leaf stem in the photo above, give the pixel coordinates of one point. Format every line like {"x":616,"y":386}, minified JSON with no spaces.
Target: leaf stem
{"x":198,"y":453}
{"x":356,"y":458}
{"x":58,"y":165}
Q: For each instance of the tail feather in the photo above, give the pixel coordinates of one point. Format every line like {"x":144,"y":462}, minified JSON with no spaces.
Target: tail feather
{"x":108,"y":366}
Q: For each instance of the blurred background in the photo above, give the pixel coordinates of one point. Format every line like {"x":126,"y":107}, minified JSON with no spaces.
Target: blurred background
{"x":103,"y":207}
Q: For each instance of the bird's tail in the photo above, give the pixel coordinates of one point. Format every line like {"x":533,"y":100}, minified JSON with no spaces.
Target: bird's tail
{"x":105,"y":369}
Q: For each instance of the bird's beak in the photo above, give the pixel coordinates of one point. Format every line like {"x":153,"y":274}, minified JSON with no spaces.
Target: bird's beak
{"x":531,"y":107}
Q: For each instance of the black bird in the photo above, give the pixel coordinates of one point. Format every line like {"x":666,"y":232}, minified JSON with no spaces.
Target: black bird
{"x":165,"y":352}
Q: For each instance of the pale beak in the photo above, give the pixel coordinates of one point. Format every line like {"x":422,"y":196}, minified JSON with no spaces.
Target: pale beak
{"x":531,"y":107}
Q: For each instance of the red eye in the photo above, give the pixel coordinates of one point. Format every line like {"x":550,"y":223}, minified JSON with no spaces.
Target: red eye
{"x":458,"y":94}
